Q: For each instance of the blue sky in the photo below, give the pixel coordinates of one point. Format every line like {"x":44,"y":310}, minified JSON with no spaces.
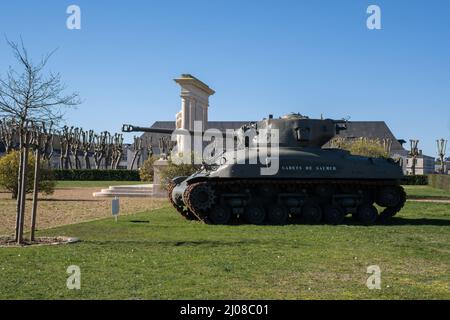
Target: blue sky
{"x":262,"y":57}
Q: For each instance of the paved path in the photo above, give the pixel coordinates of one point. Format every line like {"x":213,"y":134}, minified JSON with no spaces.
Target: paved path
{"x":447,"y":201}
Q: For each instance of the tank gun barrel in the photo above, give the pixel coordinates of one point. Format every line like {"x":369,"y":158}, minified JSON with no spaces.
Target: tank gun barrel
{"x":131,"y":128}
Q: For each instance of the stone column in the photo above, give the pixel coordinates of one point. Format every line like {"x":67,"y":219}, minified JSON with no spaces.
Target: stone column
{"x":184,"y":111}
{"x":194,"y":94}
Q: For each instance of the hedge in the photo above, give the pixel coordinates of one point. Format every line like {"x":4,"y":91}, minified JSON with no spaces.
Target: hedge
{"x":440,"y":181}
{"x":96,"y":175}
{"x":418,"y":180}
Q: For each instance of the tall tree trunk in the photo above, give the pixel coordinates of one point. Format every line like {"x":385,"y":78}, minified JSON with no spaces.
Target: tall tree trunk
{"x":19,"y":185}
{"x":35,"y":194}
{"x":87,"y":162}
{"x":134,"y":159}
{"x":23,"y":193}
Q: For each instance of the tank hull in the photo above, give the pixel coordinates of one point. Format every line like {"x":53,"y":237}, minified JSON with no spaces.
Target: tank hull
{"x":311,"y":185}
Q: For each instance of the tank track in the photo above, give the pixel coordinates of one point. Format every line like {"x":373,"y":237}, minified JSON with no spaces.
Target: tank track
{"x":390,"y":212}
{"x":250,"y":186}
{"x":185,"y":213}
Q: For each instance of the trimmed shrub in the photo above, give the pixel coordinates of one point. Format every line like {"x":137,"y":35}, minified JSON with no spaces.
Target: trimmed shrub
{"x":365,"y":147}
{"x":97,"y":175}
{"x":439,"y":181}
{"x":176,"y":170}
{"x":418,"y":180}
{"x":9,"y":171}
{"x":146,"y":170}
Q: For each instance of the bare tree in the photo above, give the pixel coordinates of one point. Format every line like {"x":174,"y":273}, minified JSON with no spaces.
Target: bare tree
{"x":149,"y":147}
{"x":76,"y":146}
{"x":47,"y":149}
{"x":8,"y":134}
{"x":100,"y":142}
{"x":65,"y":139}
{"x":108,"y":151}
{"x":442,"y":149}
{"x":87,"y":143}
{"x":138,"y":148}
{"x":30,"y":95}
{"x":117,"y":150}
{"x":414,"y":153}
{"x":387,"y":144}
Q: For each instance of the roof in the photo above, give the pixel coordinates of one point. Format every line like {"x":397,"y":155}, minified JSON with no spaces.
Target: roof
{"x":372,"y":130}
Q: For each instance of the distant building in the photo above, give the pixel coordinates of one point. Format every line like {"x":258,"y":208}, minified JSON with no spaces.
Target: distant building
{"x":424,"y":165}
{"x":446,"y":166}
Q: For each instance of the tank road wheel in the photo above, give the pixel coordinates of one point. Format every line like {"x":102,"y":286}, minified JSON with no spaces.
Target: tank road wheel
{"x":255,"y":214}
{"x":202,"y":197}
{"x":220,"y":215}
{"x":367,"y":214}
{"x":311,"y":213}
{"x":389,"y":197}
{"x":333,"y":214}
{"x":278,"y":215}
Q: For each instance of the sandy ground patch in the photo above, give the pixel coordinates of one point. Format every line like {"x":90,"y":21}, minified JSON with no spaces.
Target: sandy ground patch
{"x":68,"y":206}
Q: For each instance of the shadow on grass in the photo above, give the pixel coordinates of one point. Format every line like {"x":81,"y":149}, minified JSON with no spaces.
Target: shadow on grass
{"x":397,"y":221}
{"x":190,"y":243}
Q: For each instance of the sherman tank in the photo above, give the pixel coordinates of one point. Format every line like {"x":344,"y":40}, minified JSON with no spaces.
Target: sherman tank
{"x":312,"y":185}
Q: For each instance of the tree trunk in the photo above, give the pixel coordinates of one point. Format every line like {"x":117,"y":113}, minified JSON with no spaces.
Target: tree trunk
{"x":19,"y":185}
{"x":134,"y":159}
{"x":87,"y":161}
{"x":35,"y":194}
{"x":23,"y":194}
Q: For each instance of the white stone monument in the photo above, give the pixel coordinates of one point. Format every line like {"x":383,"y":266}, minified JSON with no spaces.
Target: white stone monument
{"x":194,"y":107}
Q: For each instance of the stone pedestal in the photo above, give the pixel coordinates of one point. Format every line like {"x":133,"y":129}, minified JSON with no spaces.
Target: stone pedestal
{"x":158,"y":165}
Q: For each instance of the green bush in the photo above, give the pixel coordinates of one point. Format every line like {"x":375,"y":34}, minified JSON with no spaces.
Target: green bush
{"x":365,"y":147}
{"x":418,"y":180}
{"x":439,"y":181}
{"x":9,"y":171}
{"x":176,"y":170}
{"x":96,"y":175}
{"x":146,"y":170}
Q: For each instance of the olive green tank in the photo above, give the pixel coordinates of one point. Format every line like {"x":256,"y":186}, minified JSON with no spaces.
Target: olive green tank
{"x":306,"y":184}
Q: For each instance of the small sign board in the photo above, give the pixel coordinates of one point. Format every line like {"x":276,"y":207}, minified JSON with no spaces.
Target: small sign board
{"x":115,"y":207}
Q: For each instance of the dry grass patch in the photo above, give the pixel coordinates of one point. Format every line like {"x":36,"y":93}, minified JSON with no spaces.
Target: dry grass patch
{"x":69,"y":206}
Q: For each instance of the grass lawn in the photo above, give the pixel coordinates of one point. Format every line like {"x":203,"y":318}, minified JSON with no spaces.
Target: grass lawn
{"x":426,"y":192}
{"x":95,"y":184}
{"x":159,"y":255}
